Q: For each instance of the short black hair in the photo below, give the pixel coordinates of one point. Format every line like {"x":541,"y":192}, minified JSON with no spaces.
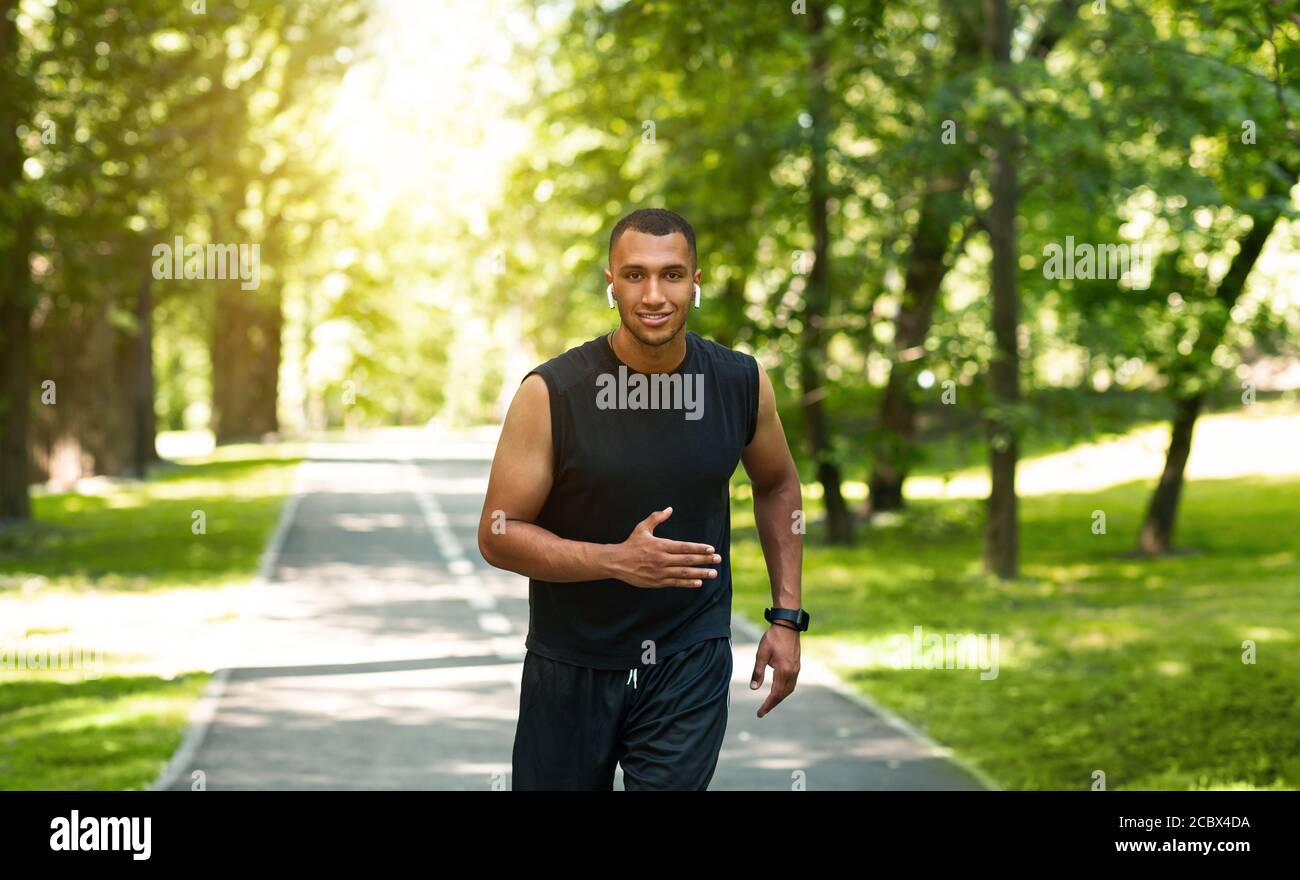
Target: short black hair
{"x":654,"y":221}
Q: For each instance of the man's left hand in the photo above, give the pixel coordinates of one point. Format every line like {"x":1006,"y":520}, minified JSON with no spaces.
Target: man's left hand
{"x":779,"y":648}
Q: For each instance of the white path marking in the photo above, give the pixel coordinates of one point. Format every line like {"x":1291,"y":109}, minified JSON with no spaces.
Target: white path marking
{"x":494,"y":622}
{"x":460,"y":567}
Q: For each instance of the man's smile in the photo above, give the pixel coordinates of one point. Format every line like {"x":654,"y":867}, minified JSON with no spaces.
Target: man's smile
{"x":654,"y":319}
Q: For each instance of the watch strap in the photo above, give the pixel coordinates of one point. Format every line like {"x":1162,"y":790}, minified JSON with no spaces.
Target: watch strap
{"x":798,"y":617}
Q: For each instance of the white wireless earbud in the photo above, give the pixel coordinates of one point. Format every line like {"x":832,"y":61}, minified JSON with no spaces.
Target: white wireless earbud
{"x":609,"y":294}
{"x":697,"y":296}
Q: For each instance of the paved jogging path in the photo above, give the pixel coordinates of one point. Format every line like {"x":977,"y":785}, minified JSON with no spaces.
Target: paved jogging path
{"x":385,"y":654}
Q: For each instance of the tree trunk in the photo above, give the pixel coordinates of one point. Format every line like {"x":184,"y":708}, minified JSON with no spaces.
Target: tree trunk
{"x":15,"y":388}
{"x":1158,"y":527}
{"x":1157,"y":535}
{"x":1001,"y":536}
{"x":145,"y":422}
{"x":812,"y":352}
{"x":15,"y":283}
{"x":926,"y":268}
{"x":941,"y":207}
{"x":245,"y":363}
{"x":730,"y":307}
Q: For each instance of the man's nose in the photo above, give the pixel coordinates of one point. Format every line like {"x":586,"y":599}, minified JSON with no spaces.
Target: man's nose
{"x":653,"y":294}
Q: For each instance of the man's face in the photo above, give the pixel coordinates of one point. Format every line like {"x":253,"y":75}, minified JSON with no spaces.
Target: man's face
{"x":653,"y":284}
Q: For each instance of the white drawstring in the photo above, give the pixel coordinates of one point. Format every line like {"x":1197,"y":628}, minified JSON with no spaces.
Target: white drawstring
{"x":631,"y":677}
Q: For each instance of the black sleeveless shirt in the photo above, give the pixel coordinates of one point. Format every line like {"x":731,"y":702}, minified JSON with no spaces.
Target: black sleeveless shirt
{"x":627,"y":444}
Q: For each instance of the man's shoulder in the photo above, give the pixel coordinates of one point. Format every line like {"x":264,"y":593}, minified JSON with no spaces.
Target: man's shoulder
{"x":572,"y":365}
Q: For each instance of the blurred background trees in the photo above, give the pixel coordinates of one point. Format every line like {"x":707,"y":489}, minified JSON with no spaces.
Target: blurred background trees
{"x":874,"y":185}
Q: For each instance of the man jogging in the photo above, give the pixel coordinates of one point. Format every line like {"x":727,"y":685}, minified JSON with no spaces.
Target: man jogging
{"x":609,"y":491}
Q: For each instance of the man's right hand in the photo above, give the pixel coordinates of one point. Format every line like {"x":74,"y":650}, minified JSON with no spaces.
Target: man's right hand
{"x":646,"y":561}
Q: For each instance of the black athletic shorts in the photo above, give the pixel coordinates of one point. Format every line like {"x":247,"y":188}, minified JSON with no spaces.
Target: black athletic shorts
{"x":663,"y":722}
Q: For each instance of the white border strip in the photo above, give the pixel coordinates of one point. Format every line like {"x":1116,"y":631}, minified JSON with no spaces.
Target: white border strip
{"x":200,"y":721}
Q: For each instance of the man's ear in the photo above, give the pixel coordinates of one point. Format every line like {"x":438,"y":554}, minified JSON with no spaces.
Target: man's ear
{"x":609,"y":276}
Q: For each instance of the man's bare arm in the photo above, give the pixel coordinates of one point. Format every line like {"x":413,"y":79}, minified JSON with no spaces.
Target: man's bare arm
{"x":520,"y":481}
{"x":778,"y":499}
{"x":778,"y":507}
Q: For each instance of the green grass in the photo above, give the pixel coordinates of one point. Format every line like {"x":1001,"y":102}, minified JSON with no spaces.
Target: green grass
{"x":140,"y":536}
{"x":1107,"y":662}
{"x":61,"y":731}
{"x":89,"y":735}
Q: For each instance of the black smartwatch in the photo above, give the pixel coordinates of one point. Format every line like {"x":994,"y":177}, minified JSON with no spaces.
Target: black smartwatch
{"x":798,"y":617}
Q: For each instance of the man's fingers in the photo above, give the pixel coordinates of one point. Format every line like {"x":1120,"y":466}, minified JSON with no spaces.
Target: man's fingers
{"x":691,"y":559}
{"x":683,"y":572}
{"x":782,"y":686}
{"x":682,"y":582}
{"x":685,"y":547}
{"x":654,"y":519}
{"x":760,"y":669}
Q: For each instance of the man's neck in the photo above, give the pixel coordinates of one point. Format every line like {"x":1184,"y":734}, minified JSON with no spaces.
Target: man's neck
{"x":648,"y":358}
